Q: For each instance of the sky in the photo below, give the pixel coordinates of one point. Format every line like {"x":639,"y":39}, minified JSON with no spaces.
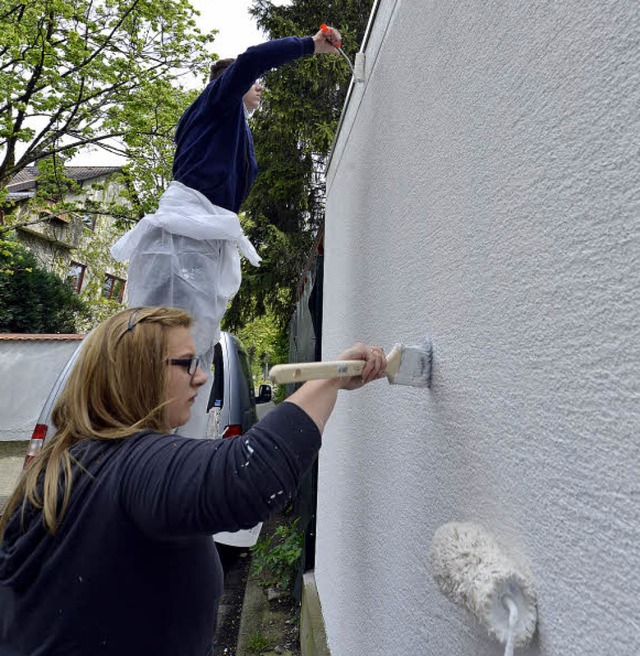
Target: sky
{"x":237,"y":31}
{"x":236,"y":28}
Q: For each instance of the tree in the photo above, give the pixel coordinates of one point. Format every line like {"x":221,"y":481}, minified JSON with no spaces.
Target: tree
{"x":148,"y":121}
{"x":293,"y":132}
{"x":33,"y":300}
{"x":92,"y":71}
{"x":68,"y":67}
{"x":266,"y":344}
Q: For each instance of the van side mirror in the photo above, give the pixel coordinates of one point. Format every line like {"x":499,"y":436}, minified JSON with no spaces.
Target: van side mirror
{"x":264,"y":394}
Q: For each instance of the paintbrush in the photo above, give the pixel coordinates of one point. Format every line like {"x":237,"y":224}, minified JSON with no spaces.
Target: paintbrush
{"x":406,"y":365}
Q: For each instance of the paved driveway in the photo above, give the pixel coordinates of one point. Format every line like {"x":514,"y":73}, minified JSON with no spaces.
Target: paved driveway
{"x":10,"y":468}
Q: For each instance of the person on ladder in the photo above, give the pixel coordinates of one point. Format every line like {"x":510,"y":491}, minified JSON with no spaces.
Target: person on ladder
{"x":187,"y":254}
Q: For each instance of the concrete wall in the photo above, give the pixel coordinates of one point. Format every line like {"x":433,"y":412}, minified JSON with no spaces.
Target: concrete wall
{"x":484,"y":189}
{"x":29,"y":366}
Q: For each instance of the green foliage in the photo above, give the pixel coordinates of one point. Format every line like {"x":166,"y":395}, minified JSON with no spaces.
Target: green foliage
{"x":80,"y":64}
{"x":266,"y":342}
{"x":118,"y":74}
{"x":53,"y":196}
{"x":280,"y":395}
{"x":275,"y":556}
{"x":33,"y":300}
{"x":293,"y":132}
{"x":257,"y":643}
{"x":148,"y":120}
{"x":53,"y":184}
{"x":12,"y":257}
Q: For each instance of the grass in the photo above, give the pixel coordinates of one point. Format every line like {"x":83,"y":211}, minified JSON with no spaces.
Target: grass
{"x":257,"y":643}
{"x":8,"y":449}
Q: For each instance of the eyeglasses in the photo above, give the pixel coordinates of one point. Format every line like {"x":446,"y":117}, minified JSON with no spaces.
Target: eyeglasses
{"x":190,"y":364}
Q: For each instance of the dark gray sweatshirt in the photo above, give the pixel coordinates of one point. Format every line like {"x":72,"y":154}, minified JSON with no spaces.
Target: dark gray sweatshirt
{"x":133,"y":568}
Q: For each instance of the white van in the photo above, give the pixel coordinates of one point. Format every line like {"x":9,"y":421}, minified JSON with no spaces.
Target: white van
{"x":232,"y":410}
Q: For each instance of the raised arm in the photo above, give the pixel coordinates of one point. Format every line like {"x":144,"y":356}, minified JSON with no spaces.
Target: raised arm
{"x":257,"y":60}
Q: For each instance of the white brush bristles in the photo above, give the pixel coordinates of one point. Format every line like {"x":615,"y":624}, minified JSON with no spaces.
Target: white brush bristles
{"x":473,"y":571}
{"x":410,"y":365}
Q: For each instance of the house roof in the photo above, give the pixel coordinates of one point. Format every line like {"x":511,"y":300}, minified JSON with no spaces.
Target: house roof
{"x":25,"y":180}
{"x":16,"y":196}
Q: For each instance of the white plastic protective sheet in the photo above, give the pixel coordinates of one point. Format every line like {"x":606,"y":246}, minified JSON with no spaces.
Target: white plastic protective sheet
{"x":186,"y":256}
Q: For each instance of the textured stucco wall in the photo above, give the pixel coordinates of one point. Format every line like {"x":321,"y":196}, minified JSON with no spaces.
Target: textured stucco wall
{"x":485,"y":190}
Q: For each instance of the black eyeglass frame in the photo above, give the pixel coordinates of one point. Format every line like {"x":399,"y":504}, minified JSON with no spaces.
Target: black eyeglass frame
{"x":190,"y":364}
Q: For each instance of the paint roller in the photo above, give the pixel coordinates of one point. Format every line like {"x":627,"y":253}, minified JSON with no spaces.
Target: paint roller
{"x":475,"y":572}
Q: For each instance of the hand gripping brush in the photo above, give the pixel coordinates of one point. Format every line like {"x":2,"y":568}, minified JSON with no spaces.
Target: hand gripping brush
{"x":406,"y":365}
{"x":475,"y":572}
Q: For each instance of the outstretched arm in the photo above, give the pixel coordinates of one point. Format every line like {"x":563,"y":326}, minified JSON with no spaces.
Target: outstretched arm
{"x":318,"y":397}
{"x":171,"y":485}
{"x":257,"y":60}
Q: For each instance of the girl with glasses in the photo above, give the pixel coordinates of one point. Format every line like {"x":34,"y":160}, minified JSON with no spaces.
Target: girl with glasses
{"x":106,"y":543}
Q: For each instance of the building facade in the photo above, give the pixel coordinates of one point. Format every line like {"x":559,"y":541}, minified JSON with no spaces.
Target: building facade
{"x":483,"y":190}
{"x":75,"y":244}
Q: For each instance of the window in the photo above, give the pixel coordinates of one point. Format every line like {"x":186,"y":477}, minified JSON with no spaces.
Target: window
{"x":113,"y":288}
{"x":89,"y":221}
{"x":75,"y":276}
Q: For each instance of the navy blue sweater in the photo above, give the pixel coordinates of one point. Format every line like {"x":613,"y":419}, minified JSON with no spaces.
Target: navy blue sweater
{"x":214,"y":148}
{"x":133,"y":569}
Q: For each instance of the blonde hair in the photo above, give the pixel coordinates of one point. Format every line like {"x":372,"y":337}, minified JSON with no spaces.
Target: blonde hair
{"x":116,"y":389}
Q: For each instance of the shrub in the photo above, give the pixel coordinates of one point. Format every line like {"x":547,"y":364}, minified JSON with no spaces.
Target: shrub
{"x":33,"y":300}
{"x":275,"y":556}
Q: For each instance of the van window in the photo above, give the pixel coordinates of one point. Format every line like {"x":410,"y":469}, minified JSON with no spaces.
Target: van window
{"x":217,"y":391}
{"x":247,"y":374}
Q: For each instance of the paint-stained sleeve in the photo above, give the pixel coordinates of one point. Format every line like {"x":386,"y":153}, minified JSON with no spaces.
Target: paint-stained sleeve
{"x":172,"y":486}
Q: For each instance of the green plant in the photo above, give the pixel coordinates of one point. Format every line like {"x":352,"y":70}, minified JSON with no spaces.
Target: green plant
{"x":257,"y":643}
{"x":275,"y":556}
{"x":33,"y":300}
{"x":281,"y":393}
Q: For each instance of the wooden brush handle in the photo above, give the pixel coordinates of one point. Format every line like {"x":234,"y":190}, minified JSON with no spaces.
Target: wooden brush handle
{"x":301,"y":371}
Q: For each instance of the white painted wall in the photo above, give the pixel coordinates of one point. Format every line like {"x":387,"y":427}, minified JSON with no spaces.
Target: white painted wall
{"x":29,"y":366}
{"x":485,"y":189}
